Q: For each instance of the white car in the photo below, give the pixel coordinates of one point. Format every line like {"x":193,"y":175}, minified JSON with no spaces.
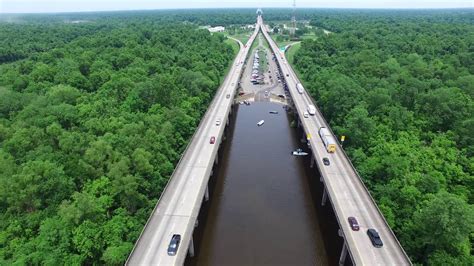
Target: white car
{"x":218,"y":122}
{"x":306,"y":114}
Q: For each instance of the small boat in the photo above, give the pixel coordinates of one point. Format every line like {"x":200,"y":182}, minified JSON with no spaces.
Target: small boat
{"x":299,"y":152}
{"x":260,"y":122}
{"x":247,"y":102}
{"x":273,"y":112}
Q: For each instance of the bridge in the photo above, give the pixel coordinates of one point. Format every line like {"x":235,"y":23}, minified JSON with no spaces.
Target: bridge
{"x":342,"y":184}
{"x":179,"y":205}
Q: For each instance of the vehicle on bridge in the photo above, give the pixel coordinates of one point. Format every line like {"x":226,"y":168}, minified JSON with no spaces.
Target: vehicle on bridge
{"x":375,"y":238}
{"x":353,"y":223}
{"x":328,"y":139}
{"x":300,"y":88}
{"x":326,"y":161}
{"x":174,"y":244}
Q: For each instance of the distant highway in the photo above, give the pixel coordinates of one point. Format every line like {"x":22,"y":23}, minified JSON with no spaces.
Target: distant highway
{"x":347,"y":193}
{"x":177,"y":209}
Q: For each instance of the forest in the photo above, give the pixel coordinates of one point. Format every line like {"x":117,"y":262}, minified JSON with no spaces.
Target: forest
{"x":400,"y":86}
{"x":96,"y":109}
{"x":94,"y":115}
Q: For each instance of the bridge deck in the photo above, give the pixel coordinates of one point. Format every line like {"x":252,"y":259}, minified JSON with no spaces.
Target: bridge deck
{"x":347,"y":193}
{"x":177,"y":209}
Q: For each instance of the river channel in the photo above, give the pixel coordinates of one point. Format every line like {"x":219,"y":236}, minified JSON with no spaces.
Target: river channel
{"x":262,"y":210}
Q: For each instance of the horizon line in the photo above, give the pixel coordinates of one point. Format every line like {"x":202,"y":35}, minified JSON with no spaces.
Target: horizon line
{"x":203,"y":8}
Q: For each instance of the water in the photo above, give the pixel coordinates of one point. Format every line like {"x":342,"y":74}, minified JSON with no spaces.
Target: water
{"x":262,"y":211}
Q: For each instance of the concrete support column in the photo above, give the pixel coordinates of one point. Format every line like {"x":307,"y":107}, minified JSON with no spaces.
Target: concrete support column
{"x":206,"y":194}
{"x":342,"y":258}
{"x":298,"y":123}
{"x":191,"y":247}
{"x":303,"y":138}
{"x":196,"y":224}
{"x":325,"y":197}
{"x":217,"y":159}
{"x":228,"y":120}
{"x":313,"y":160}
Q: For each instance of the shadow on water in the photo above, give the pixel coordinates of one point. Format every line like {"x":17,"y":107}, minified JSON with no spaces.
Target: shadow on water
{"x":265,"y":205}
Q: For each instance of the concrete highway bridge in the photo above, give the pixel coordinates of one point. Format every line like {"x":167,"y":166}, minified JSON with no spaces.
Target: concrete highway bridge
{"x":179,"y":205}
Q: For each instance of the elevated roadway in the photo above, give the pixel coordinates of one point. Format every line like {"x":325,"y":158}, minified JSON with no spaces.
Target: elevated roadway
{"x":178,"y":207}
{"x":348,"y":195}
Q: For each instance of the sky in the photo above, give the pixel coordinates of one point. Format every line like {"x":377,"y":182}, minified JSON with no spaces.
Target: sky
{"x":46,"y":6}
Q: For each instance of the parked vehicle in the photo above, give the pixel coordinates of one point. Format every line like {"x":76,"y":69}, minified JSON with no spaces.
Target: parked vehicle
{"x":174,"y":244}
{"x":375,"y":238}
{"x":213,"y":140}
{"x":328,"y":139}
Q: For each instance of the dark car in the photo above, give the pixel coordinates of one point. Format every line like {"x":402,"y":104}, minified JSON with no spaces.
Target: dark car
{"x":353,"y":223}
{"x":375,"y":238}
{"x":326,"y":161}
{"x":174,"y":245}
{"x":213,"y":140}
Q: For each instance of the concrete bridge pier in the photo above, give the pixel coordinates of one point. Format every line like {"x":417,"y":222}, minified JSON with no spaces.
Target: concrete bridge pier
{"x":206,"y":194}
{"x":216,"y":161}
{"x":313,"y":160}
{"x":343,"y":256}
{"x":191,"y":248}
{"x":325,"y":196}
{"x":303,"y":138}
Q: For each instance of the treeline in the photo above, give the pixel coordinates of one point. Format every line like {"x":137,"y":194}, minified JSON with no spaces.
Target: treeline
{"x":401,"y":88}
{"x":91,"y":127}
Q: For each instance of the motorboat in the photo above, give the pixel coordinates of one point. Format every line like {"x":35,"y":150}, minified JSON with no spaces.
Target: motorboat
{"x":273,"y":112}
{"x":299,"y":152}
{"x":260,"y":122}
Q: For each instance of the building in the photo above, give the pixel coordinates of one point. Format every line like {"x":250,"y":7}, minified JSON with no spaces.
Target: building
{"x":216,"y":29}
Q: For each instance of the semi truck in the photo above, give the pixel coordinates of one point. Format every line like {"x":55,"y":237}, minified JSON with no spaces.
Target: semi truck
{"x":311,"y":109}
{"x":328,"y":139}
{"x":300,"y":88}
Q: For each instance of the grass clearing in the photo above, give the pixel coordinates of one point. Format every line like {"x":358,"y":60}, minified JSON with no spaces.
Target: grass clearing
{"x":234,"y":44}
{"x":290,"y":53}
